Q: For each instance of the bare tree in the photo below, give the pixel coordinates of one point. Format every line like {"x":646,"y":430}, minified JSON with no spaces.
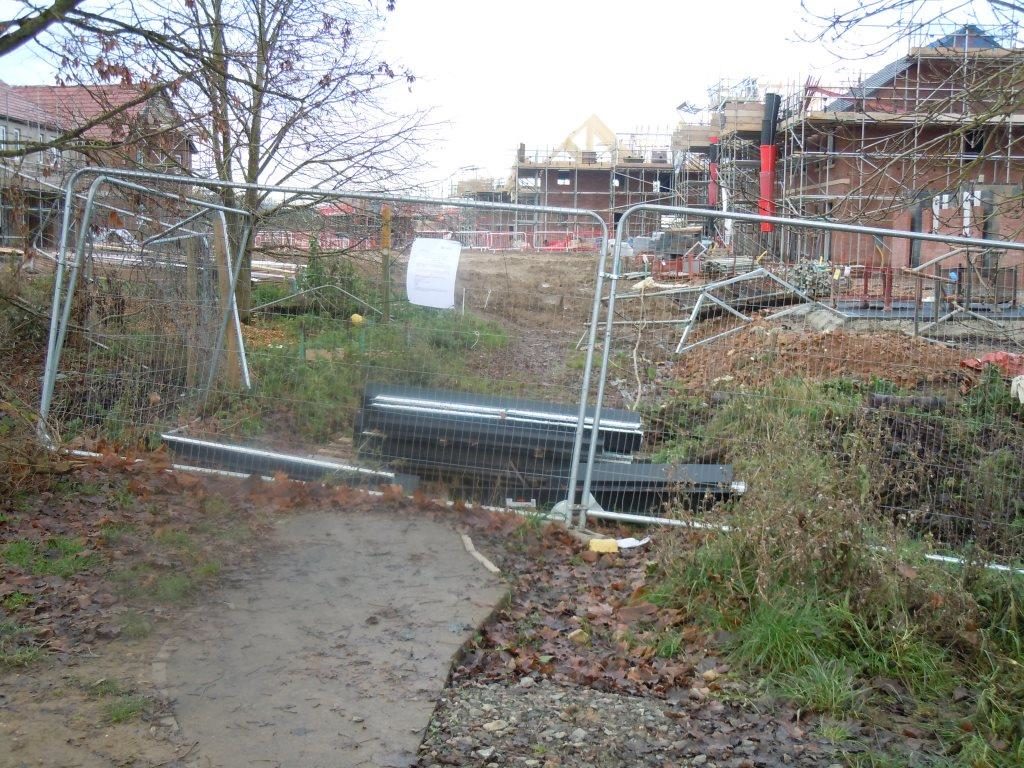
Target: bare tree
{"x":874,"y":26}
{"x":32,"y":19}
{"x":291,"y":88}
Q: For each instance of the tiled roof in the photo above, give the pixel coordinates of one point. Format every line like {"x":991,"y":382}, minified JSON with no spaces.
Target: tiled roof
{"x":18,"y":108}
{"x":73,"y":105}
{"x":969,"y":37}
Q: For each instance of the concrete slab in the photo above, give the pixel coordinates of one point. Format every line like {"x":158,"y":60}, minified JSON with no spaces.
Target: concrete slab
{"x":336,"y":651}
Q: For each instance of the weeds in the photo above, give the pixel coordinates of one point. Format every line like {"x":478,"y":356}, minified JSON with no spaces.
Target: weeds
{"x":819,"y":588}
{"x":56,"y":556}
{"x":127,"y":707}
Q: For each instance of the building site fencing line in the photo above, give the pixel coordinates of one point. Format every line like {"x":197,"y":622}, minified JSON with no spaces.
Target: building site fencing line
{"x":416,"y":382}
{"x":831,"y":405}
{"x":493,"y":387}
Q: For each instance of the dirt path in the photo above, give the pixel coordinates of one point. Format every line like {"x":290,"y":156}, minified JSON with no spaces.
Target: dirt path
{"x":331,"y":650}
{"x":333,"y":654}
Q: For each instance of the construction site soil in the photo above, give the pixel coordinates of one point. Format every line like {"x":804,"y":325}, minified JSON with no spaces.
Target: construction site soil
{"x":763,"y":352}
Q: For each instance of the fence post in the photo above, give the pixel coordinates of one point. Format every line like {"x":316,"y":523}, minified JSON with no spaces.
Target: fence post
{"x":222,"y":259}
{"x":385,"y":244}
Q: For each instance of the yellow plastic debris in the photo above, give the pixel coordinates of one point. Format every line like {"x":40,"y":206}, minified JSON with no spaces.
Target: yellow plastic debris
{"x":356,"y":319}
{"x":579,"y":636}
{"x":604,"y":545}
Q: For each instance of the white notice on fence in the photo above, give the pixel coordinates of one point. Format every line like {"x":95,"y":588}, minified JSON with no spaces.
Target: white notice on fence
{"x":433,"y":264}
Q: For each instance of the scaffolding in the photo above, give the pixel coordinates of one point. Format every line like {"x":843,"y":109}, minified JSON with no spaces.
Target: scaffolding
{"x":932,"y":142}
{"x":597,"y":169}
{"x":939,"y":124}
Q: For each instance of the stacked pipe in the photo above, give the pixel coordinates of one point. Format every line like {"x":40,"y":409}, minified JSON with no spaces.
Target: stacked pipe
{"x":769,"y":154}
{"x":520,"y":448}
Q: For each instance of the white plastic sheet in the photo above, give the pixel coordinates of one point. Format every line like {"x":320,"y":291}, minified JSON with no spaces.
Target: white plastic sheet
{"x":433,"y":265}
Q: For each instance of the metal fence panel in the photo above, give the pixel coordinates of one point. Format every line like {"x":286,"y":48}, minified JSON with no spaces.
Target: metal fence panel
{"x":334,"y":370}
{"x":900,"y":403}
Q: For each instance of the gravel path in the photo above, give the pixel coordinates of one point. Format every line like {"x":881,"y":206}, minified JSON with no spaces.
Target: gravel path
{"x":546,"y":724}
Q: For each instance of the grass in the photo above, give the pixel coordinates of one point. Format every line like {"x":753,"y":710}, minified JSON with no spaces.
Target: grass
{"x":122,"y":704}
{"x":833,"y":732}
{"x":114,"y":533}
{"x":312,"y":383}
{"x":827,"y":686}
{"x":127,"y":707}
{"x":15,"y":650}
{"x":669,"y":644}
{"x":54,"y":556}
{"x":143,"y":582}
{"x":175,"y":539}
{"x":784,"y":637}
{"x":17,"y":600}
{"x":134,"y":625}
{"x":811,"y":601}
{"x":173,"y":587}
{"x":208,"y":570}
{"x":104,"y":688}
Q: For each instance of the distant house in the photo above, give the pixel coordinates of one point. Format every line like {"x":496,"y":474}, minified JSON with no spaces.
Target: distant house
{"x":148,"y":136}
{"x":28,"y":197}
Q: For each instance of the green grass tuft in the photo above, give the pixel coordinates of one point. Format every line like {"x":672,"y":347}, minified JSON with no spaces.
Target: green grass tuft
{"x":784,"y":637}
{"x":16,"y":601}
{"x":127,"y":707}
{"x":826,"y":686}
{"x":135,"y":626}
{"x":57,"y":556}
{"x":173,"y":588}
{"x":15,"y":648}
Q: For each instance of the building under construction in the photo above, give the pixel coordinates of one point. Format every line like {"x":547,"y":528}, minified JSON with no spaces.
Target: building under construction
{"x":933,"y":142}
{"x":592,"y":168}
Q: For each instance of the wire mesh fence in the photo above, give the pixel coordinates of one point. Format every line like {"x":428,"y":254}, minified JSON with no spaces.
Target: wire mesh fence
{"x":743,"y":372}
{"x":334,"y":370}
{"x":901,"y":407}
{"x":145,"y":320}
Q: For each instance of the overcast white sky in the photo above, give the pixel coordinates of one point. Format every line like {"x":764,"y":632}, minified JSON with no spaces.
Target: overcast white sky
{"x":533,"y":70}
{"x":500,"y":73}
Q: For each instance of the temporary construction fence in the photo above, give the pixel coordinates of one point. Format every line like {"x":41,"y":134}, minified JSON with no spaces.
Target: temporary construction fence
{"x":334,"y":370}
{"x":909,"y":413}
{"x":494,"y":396}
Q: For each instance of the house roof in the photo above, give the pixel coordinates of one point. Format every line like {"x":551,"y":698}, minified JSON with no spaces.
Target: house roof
{"x":969,"y":37}
{"x":16,"y":107}
{"x":73,"y":105}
